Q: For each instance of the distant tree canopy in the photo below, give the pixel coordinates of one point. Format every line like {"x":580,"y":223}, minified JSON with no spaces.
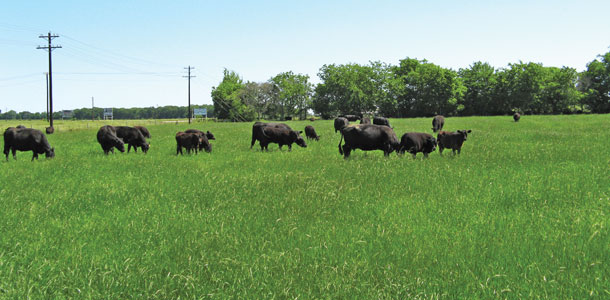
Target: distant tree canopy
{"x":413,"y":88}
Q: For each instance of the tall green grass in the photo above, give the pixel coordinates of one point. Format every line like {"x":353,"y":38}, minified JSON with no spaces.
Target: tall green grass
{"x":521,"y":213}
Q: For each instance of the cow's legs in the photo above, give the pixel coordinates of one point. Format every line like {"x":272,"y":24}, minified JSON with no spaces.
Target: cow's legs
{"x":414,"y":154}
{"x":14,"y":153}
{"x":178,"y":149}
{"x":35,"y":155}
{"x":459,"y":150}
{"x":346,"y":151}
{"x":440,"y":150}
{"x":426,"y":155}
{"x":289,"y":147}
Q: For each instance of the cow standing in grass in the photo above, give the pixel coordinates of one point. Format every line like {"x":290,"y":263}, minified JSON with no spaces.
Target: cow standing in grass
{"x":340,"y":122}
{"x":257,"y":132}
{"x":368,"y":137}
{"x":108,"y":139}
{"x":26,"y":139}
{"x":143,"y":130}
{"x":437,"y":123}
{"x":133,"y":137}
{"x":280,"y":136}
{"x":452,"y":140}
{"x":517,"y":117}
{"x":414,"y":142}
{"x":190,"y":141}
{"x":310,"y":133}
{"x":381,"y":121}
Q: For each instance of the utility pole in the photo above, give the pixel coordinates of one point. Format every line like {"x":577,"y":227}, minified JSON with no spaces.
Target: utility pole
{"x":49,"y":48}
{"x":47,"y":75}
{"x":189,"y":68}
{"x":92,"y":106}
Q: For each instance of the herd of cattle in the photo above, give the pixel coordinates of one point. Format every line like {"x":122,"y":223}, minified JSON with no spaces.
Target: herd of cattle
{"x":364,"y":136}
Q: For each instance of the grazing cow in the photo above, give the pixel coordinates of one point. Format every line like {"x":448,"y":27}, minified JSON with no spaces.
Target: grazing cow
{"x":381,"y":121}
{"x":190,"y":141}
{"x":132,"y":137}
{"x":257,"y":130}
{"x":280,"y":136}
{"x":516,"y":117}
{"x":310,"y":133}
{"x":365,"y":121}
{"x":452,"y":140}
{"x":49,"y":130}
{"x":352,"y":118}
{"x":207,"y":134}
{"x":414,"y":142}
{"x":312,"y":119}
{"x":340,"y":122}
{"x":26,"y":139}
{"x":437,"y":123}
{"x":107,"y":138}
{"x":368,"y":137}
{"x":288,"y":118}
{"x":143,"y":130}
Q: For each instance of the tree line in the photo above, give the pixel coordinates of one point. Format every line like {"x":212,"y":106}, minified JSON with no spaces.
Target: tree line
{"x":418,"y":88}
{"x":412,"y":88}
{"x":161,"y":112}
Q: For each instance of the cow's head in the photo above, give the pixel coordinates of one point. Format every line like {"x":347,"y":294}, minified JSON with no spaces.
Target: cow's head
{"x":145,"y":147}
{"x":50,"y":153}
{"x":464,"y":133}
{"x":119,"y":145}
{"x":209,"y":135}
{"x":207,"y":146}
{"x":297,"y":138}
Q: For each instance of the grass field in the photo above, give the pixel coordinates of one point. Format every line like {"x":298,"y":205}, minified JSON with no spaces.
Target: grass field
{"x":522,"y":213}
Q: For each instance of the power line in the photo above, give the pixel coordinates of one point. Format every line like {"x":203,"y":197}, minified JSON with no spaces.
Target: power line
{"x":50,"y":48}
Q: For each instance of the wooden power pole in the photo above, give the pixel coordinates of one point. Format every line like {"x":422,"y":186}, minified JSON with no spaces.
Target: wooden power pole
{"x":189,"y":76}
{"x":50,"y":48}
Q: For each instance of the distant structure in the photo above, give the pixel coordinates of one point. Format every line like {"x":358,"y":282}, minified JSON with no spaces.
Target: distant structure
{"x":108,"y":114}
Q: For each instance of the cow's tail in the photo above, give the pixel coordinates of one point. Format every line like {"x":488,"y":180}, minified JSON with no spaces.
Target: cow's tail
{"x":341,"y":140}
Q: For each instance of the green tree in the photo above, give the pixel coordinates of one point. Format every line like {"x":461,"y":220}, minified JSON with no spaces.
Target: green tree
{"x":227,"y":101}
{"x":480,"y":81}
{"x":427,"y":89}
{"x":345,"y":89}
{"x":595,"y":84}
{"x":293,"y":93}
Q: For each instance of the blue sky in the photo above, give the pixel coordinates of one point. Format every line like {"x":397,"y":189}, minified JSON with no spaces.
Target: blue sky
{"x":132,"y":53}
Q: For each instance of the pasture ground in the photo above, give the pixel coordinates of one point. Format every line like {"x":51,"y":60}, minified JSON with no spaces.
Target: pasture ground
{"x":522,"y":213}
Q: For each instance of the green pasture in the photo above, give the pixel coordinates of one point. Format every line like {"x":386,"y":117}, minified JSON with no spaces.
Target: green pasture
{"x":522,"y":213}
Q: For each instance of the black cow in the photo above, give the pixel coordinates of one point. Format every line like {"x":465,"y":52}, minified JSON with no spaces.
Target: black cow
{"x":257,"y":130}
{"x":143,"y":130}
{"x":516,"y":117}
{"x":437,"y":123}
{"x":132,"y":137}
{"x":365,"y":121}
{"x":190,"y":141}
{"x":352,"y":118}
{"x":368,"y":137}
{"x":452,"y":140}
{"x":340,"y":122}
{"x":381,"y":121}
{"x":280,"y":136}
{"x":207,"y":134}
{"x":107,"y":138}
{"x":414,"y":142}
{"x":26,"y":139}
{"x":49,"y":130}
{"x":310,"y":133}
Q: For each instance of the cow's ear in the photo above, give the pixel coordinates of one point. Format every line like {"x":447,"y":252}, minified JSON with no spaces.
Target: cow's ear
{"x":469,"y":131}
{"x":300,"y":131}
